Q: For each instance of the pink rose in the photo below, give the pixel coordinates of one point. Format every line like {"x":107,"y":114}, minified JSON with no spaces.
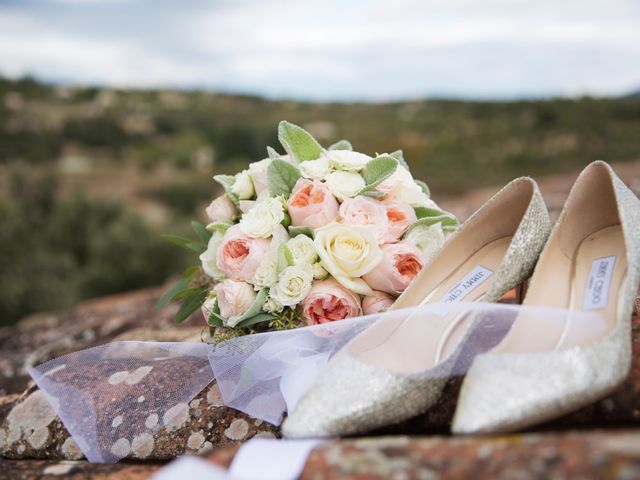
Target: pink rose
{"x":207,"y":307}
{"x":328,"y":301}
{"x":234,"y":298}
{"x":239,"y":255}
{"x":365,"y":211}
{"x":399,"y":266}
{"x":221,"y":209}
{"x":400,"y":217}
{"x":312,"y":204}
{"x":376,"y":303}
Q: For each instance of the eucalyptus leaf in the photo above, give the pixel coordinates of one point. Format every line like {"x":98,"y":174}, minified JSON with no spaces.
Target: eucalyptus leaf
{"x":295,"y":231}
{"x":188,"y":292}
{"x":399,"y":156}
{"x":171,"y":292}
{"x":188,"y":273}
{"x":185,"y":243}
{"x":253,"y":310}
{"x":273,"y":155}
{"x":197,"y":247}
{"x":201,"y":231}
{"x":259,"y":318}
{"x":378,"y":170}
{"x":281,"y":178}
{"x":190,"y":305}
{"x":341,"y":145}
{"x":424,"y":187}
{"x":298,"y":143}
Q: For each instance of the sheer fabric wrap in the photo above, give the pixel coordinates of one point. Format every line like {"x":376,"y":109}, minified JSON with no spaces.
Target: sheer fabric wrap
{"x":113,"y":398}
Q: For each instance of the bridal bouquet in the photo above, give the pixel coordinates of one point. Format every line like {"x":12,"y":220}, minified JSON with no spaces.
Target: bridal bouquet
{"x":312,"y":236}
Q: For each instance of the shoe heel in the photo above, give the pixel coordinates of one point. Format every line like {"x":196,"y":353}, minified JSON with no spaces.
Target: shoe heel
{"x":521,"y":291}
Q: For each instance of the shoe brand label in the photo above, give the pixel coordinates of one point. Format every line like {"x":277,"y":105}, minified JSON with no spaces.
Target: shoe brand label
{"x":596,"y":294}
{"x":468,"y":284}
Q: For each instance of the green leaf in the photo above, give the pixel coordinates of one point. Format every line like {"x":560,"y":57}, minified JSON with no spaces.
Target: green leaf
{"x":281,"y":178}
{"x":188,"y":292}
{"x":298,"y":143}
{"x":259,"y":318}
{"x":197,"y":247}
{"x":295,"y":231}
{"x":341,"y":145}
{"x":227,"y":182}
{"x":372,"y":193}
{"x":201,"y":231}
{"x":446,"y":220}
{"x":378,"y":170}
{"x":219,"y":226}
{"x":285,"y":257}
{"x":424,"y":187}
{"x":422,"y":212}
{"x":171,"y":292}
{"x":185,"y":243}
{"x":215,"y":319}
{"x":190,"y":305}
{"x":190,"y":271}
{"x":286,"y":221}
{"x":254,"y":309}
{"x":399,"y":156}
{"x":273,"y":155}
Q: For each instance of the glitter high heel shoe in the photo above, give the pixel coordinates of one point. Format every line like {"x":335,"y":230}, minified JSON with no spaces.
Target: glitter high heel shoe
{"x":375,"y":379}
{"x":591,"y":263}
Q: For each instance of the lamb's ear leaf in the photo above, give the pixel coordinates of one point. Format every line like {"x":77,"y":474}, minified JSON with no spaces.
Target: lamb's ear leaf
{"x":341,"y":145}
{"x":372,"y":194}
{"x":253,"y":310}
{"x":399,"y":156}
{"x":298,"y":143}
{"x":219,"y":226}
{"x":273,"y":155}
{"x":424,"y":187}
{"x":227,"y":182}
{"x":281,"y":178}
{"x":431,"y":216}
{"x":377,"y":171}
{"x":285,"y":257}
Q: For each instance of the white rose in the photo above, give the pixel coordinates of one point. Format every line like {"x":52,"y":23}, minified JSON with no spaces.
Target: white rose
{"x":345,"y":184}
{"x":303,"y":250}
{"x":319,"y":273}
{"x":271,"y":305}
{"x":428,"y":239}
{"x":208,"y":257}
{"x":293,"y":285}
{"x":347,"y":253}
{"x":266,"y":274}
{"x":258,"y":173}
{"x":401,"y":188}
{"x":315,"y":169}
{"x":347,"y":160}
{"x":261,"y":220}
{"x":243,"y":186}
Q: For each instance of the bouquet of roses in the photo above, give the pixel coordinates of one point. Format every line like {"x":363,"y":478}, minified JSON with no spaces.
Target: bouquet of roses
{"x":312,"y":236}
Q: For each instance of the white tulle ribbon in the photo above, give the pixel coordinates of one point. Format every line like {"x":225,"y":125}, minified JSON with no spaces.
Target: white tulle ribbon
{"x":113,"y":398}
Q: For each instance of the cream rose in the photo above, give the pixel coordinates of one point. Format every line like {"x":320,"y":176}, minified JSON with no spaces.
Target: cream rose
{"x":319,"y":273}
{"x":266,"y":274}
{"x":303,"y":250}
{"x":428,"y":239}
{"x":347,"y":253}
{"x":261,"y":220}
{"x":208,"y":258}
{"x":221,"y":209}
{"x":293,"y":285}
{"x":347,"y":160}
{"x":315,"y":169}
{"x":234,"y":299}
{"x":242,"y":186}
{"x":345,"y":184}
{"x":366,"y":212}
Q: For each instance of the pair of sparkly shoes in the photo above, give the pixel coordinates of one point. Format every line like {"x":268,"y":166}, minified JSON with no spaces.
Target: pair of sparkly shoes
{"x":587,"y":262}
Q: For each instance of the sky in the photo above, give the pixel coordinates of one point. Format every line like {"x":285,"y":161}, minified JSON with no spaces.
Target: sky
{"x":334,"y":50}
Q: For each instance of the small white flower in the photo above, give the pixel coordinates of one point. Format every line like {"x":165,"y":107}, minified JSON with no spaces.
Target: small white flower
{"x":319,"y":273}
{"x":271,"y":305}
{"x":293,"y":285}
{"x":315,"y":169}
{"x":347,"y":160}
{"x":266,"y":274}
{"x":428,"y":239}
{"x":243,"y":186}
{"x":208,"y":257}
{"x":303,"y":250}
{"x":263,"y":218}
{"x":345,"y":184}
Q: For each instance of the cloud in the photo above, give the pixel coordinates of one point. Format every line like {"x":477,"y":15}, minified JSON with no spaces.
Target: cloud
{"x":372,"y":50}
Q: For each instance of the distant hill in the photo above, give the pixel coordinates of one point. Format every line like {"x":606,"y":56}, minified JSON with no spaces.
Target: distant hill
{"x":632,"y":96}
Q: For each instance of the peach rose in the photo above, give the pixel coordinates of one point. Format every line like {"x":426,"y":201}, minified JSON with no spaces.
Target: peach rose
{"x":312,"y":204}
{"x":399,"y":266}
{"x":328,"y":301}
{"x":221,"y":209}
{"x":234,"y":299}
{"x":377,"y":303}
{"x":366,"y":212}
{"x":239,"y":255}
{"x":400,"y":217}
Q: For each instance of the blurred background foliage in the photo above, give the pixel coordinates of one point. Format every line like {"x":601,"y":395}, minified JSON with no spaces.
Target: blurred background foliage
{"x":89,"y":177}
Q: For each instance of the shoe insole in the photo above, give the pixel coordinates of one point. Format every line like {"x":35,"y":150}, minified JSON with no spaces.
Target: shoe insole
{"x":412,"y":343}
{"x":589,"y":281}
